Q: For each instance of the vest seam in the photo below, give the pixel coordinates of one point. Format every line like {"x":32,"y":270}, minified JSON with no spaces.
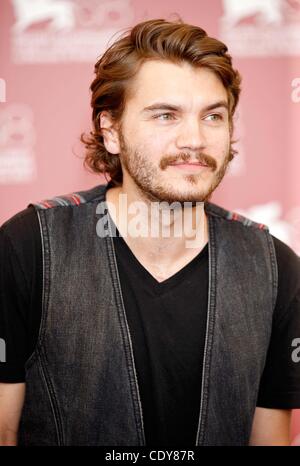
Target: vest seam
{"x":46,"y":262}
{"x":210,"y":327}
{"x":36,"y":356}
{"x":52,"y":400}
{"x":127,"y":346}
{"x":274,"y":268}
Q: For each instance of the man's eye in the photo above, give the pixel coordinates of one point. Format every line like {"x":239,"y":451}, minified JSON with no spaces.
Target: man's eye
{"x":163,"y":116}
{"x":215,"y":117}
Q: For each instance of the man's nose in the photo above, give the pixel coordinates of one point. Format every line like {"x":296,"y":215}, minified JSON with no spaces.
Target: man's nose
{"x":191,"y":135}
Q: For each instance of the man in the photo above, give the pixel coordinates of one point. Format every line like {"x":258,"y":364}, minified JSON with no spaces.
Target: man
{"x":125,"y":331}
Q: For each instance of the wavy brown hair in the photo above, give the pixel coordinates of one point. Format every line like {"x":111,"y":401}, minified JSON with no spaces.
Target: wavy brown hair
{"x":159,"y":39}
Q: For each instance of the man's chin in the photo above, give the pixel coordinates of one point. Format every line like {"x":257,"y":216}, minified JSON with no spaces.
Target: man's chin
{"x":178,"y":196}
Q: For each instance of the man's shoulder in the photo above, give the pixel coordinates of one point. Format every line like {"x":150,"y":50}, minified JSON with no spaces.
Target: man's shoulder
{"x":24,"y":225}
{"x":285,"y":253}
{"x":20,"y":238}
{"x":233,"y":216}
{"x":20,"y":222}
{"x":288,"y":263}
{"x":75,"y":198}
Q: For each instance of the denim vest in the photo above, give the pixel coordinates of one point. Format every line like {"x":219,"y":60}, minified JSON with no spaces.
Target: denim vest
{"x":81,"y":379}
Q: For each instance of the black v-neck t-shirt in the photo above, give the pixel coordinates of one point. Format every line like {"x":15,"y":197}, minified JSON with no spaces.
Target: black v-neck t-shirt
{"x":167,"y":321}
{"x":167,"y":324}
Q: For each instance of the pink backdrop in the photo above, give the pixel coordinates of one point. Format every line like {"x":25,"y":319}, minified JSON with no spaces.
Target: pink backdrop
{"x":48,"y":49}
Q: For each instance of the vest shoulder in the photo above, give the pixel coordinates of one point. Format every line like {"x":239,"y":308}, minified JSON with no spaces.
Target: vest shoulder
{"x":229,"y":215}
{"x":71,"y":199}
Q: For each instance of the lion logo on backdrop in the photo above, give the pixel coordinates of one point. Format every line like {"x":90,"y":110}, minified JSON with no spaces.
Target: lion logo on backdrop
{"x":65,"y":30}
{"x":261,"y":28}
{"x":267,"y":11}
{"x":60,"y":15}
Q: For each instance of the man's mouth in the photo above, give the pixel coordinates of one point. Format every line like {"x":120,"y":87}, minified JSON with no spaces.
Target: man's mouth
{"x":193,"y":165}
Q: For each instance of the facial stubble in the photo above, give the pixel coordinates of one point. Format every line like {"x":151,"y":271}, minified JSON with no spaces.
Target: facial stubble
{"x":145,"y":175}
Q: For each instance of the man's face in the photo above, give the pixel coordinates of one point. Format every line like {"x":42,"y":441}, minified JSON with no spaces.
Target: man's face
{"x":176,"y":114}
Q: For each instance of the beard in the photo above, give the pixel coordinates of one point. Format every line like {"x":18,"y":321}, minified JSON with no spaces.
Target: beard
{"x":147,"y":179}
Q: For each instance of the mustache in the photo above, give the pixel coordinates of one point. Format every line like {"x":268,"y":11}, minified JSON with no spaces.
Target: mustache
{"x":184,"y":157}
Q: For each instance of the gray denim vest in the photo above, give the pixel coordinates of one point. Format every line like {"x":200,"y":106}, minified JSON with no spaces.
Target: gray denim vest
{"x":81,"y":380}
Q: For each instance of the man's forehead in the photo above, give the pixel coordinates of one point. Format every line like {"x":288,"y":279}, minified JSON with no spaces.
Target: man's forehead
{"x":162,"y":65}
{"x":165,"y":72}
{"x":163,"y":81}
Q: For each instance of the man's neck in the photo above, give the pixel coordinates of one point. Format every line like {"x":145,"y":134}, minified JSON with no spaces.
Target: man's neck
{"x":162,"y":240}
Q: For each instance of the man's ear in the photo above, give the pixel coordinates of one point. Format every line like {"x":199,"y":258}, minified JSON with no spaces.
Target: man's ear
{"x":109,"y":132}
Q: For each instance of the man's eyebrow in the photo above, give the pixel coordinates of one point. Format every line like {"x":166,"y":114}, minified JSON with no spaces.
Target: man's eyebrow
{"x":167,"y":106}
